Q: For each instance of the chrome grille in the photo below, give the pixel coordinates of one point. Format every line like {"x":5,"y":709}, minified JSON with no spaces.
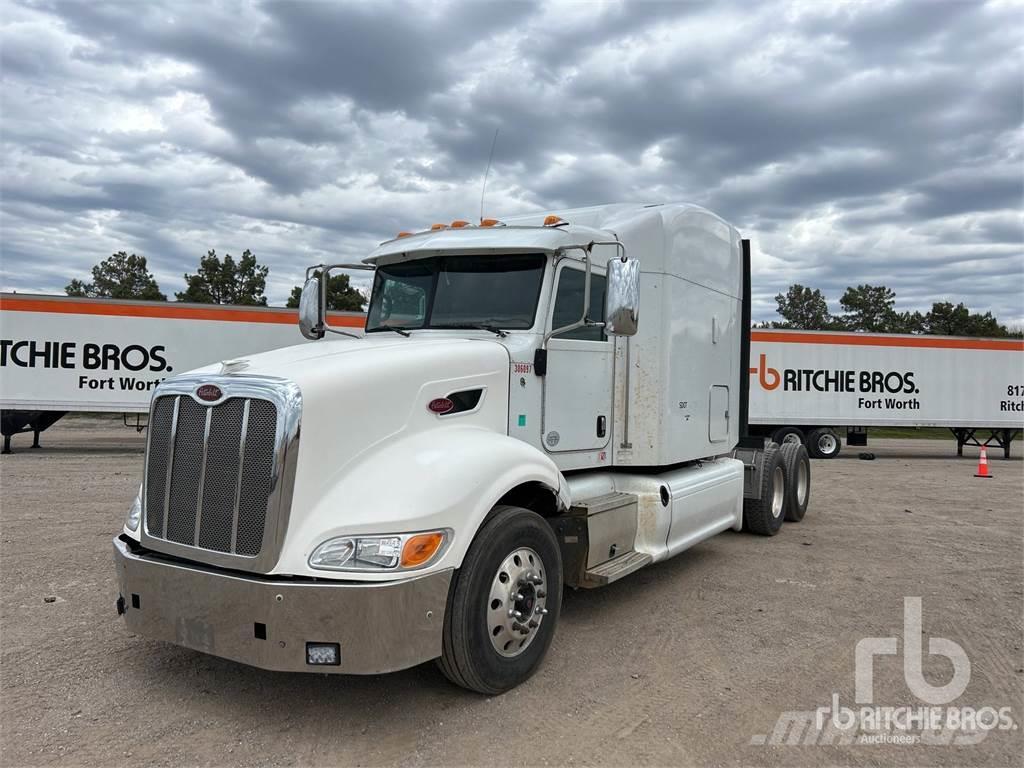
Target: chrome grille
{"x":210,"y":472}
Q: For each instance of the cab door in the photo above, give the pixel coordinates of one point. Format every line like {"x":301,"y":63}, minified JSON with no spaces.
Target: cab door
{"x":580,"y":367}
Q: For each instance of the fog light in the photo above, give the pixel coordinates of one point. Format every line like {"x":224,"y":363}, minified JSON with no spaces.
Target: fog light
{"x":323,"y":654}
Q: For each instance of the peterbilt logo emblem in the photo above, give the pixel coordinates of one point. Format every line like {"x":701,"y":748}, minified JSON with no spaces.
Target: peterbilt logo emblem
{"x":440,"y":405}
{"x":209,"y":392}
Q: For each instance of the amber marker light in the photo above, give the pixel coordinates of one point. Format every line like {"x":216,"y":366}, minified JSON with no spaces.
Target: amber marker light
{"x":420,"y":548}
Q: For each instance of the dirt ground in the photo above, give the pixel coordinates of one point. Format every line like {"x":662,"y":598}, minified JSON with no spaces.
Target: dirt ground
{"x":692,"y":661}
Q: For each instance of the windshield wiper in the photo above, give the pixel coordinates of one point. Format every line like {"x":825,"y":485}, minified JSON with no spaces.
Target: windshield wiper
{"x":481,"y":327}
{"x":394,"y":328}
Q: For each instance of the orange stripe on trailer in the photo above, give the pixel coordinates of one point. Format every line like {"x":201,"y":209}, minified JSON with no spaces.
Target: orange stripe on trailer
{"x":169,"y":311}
{"x":873,"y":340}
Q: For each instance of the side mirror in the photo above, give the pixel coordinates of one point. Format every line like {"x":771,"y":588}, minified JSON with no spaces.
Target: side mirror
{"x":622,"y":298}
{"x":311,"y":315}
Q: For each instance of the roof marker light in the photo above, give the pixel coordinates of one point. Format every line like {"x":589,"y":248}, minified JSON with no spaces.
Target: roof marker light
{"x":402,"y":234}
{"x":489,"y":222}
{"x":435,"y":227}
{"x":459,"y":224}
{"x":553,"y":221}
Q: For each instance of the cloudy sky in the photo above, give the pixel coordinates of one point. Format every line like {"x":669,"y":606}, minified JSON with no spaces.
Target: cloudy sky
{"x":875,"y":142}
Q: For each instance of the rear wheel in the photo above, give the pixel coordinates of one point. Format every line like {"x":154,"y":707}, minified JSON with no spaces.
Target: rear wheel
{"x":504,"y":603}
{"x":784,"y":435}
{"x":823,"y":443}
{"x":764,"y":515}
{"x":797,"y":465}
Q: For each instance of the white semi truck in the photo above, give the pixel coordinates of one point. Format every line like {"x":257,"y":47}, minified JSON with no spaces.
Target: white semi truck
{"x":510,"y":423}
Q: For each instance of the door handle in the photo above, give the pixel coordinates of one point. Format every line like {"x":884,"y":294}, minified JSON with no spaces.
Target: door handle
{"x":601,"y":426}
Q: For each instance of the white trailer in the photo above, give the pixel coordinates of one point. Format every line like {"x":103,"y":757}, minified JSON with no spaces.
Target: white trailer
{"x":510,"y":423}
{"x":60,"y":354}
{"x":805,"y":385}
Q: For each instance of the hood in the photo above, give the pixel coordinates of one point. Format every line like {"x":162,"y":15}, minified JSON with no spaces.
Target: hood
{"x":359,"y":395}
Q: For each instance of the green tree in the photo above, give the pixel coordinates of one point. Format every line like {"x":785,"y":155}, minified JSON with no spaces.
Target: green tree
{"x":944,"y":319}
{"x":804,"y":309}
{"x":223,"y":281}
{"x":869,"y":308}
{"x":119,"y":277}
{"x":341,"y":297}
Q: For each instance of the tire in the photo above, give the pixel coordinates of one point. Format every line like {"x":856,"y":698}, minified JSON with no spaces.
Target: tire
{"x":764,"y":516}
{"x":798,"y":481}
{"x":823,"y":443}
{"x":784,"y":435}
{"x":475,"y":629}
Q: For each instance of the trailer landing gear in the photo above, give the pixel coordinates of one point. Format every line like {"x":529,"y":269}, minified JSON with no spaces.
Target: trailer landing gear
{"x":1000,"y":437}
{"x":16,"y":422}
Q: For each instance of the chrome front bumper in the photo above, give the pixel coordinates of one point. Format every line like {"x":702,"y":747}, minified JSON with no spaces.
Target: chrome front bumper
{"x":380,"y":626}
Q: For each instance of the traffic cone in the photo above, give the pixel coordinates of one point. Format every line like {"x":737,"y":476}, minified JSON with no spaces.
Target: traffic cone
{"x":983,"y":464}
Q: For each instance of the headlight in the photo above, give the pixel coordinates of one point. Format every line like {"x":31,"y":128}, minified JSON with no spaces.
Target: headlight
{"x":134,"y":513}
{"x":375,"y":553}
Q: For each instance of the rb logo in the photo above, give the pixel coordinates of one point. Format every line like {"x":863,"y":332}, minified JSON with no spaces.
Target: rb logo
{"x":767,"y":377}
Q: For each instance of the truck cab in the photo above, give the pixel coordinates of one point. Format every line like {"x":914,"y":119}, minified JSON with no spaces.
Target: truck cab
{"x":506,"y":426}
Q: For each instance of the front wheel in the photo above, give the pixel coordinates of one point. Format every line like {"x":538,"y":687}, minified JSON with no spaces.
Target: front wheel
{"x":504,"y":603}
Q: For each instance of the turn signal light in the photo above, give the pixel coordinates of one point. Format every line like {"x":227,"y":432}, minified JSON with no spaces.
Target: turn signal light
{"x":459,"y":224}
{"x":434,"y":227}
{"x":552,"y":220}
{"x":420,"y":548}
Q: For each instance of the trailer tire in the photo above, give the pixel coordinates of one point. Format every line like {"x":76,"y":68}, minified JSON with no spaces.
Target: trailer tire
{"x":823,"y":443}
{"x":798,"y":480}
{"x":784,"y":435}
{"x":764,"y":516}
{"x":480,"y":650}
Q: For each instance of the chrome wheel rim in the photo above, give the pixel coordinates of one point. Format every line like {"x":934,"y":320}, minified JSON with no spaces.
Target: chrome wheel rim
{"x":517,"y":603}
{"x":792,"y":438}
{"x":802,"y":481}
{"x":778,"y":490}
{"x":827,"y":444}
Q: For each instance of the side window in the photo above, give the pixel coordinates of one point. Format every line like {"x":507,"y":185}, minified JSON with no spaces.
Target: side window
{"x":569,"y":304}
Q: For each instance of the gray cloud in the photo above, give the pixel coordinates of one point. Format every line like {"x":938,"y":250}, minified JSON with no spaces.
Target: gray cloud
{"x":879,"y":142}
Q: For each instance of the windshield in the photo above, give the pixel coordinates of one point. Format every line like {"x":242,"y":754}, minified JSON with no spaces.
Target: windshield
{"x":457,"y":292}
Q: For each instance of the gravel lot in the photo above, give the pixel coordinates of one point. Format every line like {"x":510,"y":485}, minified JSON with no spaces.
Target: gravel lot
{"x":688,"y":662}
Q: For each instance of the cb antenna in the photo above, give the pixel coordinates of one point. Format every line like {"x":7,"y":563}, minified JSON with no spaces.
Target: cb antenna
{"x":487,"y":172}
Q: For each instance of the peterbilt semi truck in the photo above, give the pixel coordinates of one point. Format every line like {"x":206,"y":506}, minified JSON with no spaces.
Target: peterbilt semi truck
{"x":537,"y":402}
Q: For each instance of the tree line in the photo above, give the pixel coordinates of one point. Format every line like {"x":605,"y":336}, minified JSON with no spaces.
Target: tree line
{"x":216,"y":281}
{"x":224,"y":280}
{"x":872,"y":308}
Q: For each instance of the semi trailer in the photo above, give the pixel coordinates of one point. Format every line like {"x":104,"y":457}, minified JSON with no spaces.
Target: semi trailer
{"x":809,"y":386}
{"x":535,"y":403}
{"x":60,"y":355}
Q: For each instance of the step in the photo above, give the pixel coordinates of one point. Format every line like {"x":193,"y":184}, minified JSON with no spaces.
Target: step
{"x":615,"y":569}
{"x":602,"y":503}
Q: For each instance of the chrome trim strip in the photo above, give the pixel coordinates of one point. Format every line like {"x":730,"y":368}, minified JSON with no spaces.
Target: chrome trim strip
{"x":170,"y":463}
{"x":287,"y":398}
{"x":202,"y":477}
{"x":238,"y":480}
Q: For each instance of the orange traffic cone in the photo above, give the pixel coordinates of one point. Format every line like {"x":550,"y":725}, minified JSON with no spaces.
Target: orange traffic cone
{"x":983,"y":464}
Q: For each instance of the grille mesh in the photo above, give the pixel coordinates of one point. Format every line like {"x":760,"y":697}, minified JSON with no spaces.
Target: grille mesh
{"x":218,"y":502}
